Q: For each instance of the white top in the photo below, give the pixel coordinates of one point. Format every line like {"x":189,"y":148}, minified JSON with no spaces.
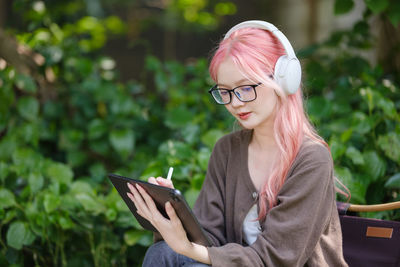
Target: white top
{"x":251,"y":226}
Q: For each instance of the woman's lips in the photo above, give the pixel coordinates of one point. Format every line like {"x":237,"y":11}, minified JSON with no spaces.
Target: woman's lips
{"x":244,"y":115}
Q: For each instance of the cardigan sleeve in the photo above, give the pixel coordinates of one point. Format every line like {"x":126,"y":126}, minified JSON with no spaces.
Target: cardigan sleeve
{"x":294,"y":226}
{"x":210,"y":204}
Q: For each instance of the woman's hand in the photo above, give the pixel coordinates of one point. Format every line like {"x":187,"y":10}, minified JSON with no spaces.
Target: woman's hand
{"x":171,"y":229}
{"x":161,"y":181}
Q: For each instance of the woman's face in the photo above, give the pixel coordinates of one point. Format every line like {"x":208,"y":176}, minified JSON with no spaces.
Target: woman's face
{"x":257,"y":114}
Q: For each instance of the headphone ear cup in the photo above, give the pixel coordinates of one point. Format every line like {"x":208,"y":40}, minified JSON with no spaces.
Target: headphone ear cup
{"x":288,"y":74}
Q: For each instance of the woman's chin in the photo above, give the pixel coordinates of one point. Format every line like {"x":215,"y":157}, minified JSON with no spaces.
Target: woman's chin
{"x":246,"y":125}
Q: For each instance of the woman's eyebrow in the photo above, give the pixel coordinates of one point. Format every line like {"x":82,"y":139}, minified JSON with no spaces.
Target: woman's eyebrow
{"x":243,"y":81}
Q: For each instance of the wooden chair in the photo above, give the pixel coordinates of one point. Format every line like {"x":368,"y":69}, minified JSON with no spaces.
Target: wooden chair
{"x":369,"y":242}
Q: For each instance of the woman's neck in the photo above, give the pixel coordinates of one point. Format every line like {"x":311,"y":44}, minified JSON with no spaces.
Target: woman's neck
{"x":263,"y":139}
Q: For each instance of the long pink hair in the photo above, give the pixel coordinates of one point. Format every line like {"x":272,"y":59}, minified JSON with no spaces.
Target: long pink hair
{"x":254,"y":52}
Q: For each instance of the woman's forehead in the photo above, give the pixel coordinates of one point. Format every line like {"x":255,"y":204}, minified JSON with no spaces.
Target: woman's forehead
{"x":228,"y":74}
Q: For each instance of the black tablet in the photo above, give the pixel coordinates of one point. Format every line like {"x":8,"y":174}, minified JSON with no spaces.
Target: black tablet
{"x":161,"y":195}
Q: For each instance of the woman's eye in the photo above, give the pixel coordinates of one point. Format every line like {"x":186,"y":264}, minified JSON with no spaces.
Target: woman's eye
{"x":246,"y":89}
{"x":223,"y":92}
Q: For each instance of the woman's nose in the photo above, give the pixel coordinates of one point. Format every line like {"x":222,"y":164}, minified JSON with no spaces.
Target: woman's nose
{"x":236,"y":102}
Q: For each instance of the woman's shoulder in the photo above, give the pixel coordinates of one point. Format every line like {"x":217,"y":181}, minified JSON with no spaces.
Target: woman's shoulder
{"x":313,"y":151}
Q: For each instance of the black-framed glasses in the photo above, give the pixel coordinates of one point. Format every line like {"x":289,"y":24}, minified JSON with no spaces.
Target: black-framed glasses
{"x":245,"y":93}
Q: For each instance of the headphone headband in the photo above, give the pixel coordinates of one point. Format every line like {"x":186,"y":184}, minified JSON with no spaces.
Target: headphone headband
{"x":287,"y":71}
{"x":259,"y":24}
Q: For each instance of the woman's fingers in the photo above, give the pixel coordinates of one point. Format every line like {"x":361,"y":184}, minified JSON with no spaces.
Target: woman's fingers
{"x":161,"y":181}
{"x":172,"y":215}
{"x":140,"y":204}
{"x":148,"y":200}
{"x":164,"y":182}
{"x":147,"y":208}
{"x":152,"y":180}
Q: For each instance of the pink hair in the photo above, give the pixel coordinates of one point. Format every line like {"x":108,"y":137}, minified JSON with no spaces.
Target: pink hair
{"x":255,"y":52}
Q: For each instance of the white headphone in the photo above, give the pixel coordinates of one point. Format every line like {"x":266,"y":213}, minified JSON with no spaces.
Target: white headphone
{"x":287,"y":68}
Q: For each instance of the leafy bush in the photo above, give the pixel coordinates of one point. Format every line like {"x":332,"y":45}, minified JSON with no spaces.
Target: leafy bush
{"x":58,"y":143}
{"x":356,"y":109}
{"x":57,"y":206}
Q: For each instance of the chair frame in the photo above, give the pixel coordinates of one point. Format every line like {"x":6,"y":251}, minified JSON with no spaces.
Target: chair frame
{"x":373,"y":208}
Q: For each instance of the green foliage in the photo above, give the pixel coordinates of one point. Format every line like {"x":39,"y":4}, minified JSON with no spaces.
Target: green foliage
{"x":387,"y":8}
{"x":343,"y":6}
{"x":355,"y":107}
{"x":57,"y":144}
{"x":56,"y":147}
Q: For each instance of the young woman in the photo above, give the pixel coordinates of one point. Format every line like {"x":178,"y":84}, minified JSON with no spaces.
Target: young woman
{"x":268,"y":198}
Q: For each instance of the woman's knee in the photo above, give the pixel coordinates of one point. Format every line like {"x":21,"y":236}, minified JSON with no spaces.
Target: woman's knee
{"x":160,"y":254}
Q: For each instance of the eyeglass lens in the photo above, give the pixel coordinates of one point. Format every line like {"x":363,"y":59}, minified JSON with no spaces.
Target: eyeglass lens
{"x":244,"y":93}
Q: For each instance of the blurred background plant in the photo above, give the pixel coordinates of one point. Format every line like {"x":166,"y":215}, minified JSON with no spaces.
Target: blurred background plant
{"x":69,"y":115}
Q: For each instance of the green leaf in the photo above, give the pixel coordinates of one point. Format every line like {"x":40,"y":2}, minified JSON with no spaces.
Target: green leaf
{"x":25,"y":158}
{"x":81,"y":187}
{"x":178,"y":117}
{"x":191,"y":196}
{"x":122,"y":141}
{"x":390,"y":144}
{"x":89,"y":203}
{"x":7,"y":198}
{"x":343,"y":6}
{"x":35,"y":181}
{"x":176,"y":150}
{"x":362,"y":124}
{"x":25,"y":83}
{"x":203,"y":157}
{"x":76,"y":158}
{"x":146,"y":239}
{"x":96,"y":128}
{"x":28,"y":108}
{"x":319,"y":107}
{"x":131,"y":237}
{"x":60,"y":172}
{"x":394,"y":13}
{"x":18,"y":234}
{"x":10,"y":215}
{"x":66,"y":223}
{"x":377,"y":6}
{"x":375,"y":167}
{"x":211,"y":137}
{"x":190,"y":133}
{"x":355,"y":155}
{"x":393,"y":182}
{"x":3,"y":171}
{"x":97,"y":172}
{"x":337,"y":149}
{"x":111,"y":214}
{"x":70,"y":139}
{"x":357,"y":188}
{"x":6,"y":101}
{"x":388,"y":107}
{"x":70,"y":203}
{"x":346,"y":135}
{"x":29,"y":133}
{"x":51,"y":202}
{"x":115,"y":25}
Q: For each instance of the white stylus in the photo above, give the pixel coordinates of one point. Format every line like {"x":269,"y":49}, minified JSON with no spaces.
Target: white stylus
{"x":170,"y":173}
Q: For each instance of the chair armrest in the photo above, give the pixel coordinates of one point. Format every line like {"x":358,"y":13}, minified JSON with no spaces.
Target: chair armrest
{"x":372,"y":208}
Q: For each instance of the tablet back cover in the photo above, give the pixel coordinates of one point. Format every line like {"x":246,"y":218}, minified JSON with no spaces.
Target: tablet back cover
{"x":160,"y":196}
